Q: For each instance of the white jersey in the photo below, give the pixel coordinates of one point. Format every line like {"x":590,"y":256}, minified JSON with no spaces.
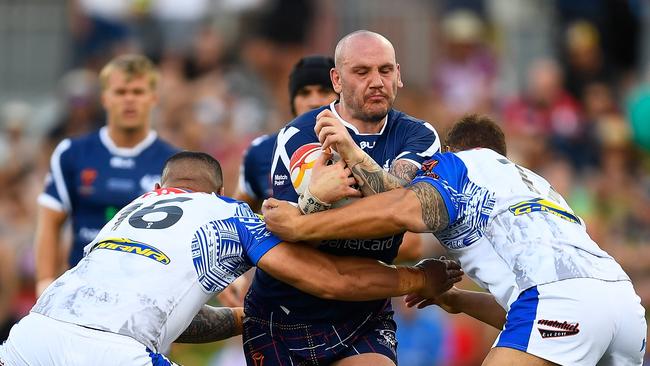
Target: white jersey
{"x":509,"y":229}
{"x":154,"y":265}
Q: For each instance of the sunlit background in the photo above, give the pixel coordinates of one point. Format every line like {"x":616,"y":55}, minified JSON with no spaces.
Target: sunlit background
{"x":569,"y":81}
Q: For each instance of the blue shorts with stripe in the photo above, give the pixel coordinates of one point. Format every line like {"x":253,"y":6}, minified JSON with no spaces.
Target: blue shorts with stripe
{"x":272,"y":338}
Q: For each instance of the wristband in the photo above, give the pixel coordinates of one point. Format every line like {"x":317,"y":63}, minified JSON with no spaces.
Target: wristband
{"x":308,"y":203}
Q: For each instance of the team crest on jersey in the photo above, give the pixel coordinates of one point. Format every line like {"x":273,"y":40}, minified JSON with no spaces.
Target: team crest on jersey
{"x":427,"y":169}
{"x":87,"y":178}
{"x":133,"y":247}
{"x":554,"y":328}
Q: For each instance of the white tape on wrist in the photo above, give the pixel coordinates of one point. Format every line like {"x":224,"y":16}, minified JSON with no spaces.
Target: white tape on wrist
{"x":308,"y":203}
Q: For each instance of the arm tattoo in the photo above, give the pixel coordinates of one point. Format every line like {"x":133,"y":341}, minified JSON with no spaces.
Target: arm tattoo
{"x":211,"y":324}
{"x":434,"y":211}
{"x":404,"y":170}
{"x":373,"y":179}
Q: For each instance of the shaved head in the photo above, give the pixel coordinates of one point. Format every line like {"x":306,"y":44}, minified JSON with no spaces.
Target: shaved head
{"x":195,"y":171}
{"x":366,"y":76}
{"x":348,"y":43}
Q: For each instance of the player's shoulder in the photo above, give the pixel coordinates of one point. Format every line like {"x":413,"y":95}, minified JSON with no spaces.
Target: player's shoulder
{"x":403,"y":121}
{"x":164,"y":146}
{"x":307,"y":120}
{"x":397,"y":116}
{"x":262,"y":145}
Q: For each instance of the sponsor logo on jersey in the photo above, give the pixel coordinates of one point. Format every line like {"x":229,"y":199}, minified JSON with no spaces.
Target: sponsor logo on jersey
{"x":148,"y":181}
{"x":542,"y":205}
{"x":280,"y":179}
{"x":427,"y":169}
{"x":373,"y":245}
{"x":122,"y":163}
{"x":554,"y":328}
{"x":133,"y":247}
{"x":367,"y":145}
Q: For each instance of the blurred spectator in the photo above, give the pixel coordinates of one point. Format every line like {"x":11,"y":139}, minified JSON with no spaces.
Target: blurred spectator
{"x":99,"y":28}
{"x":544,"y":112}
{"x":638,"y":113}
{"x":463,"y":80}
{"x":422,"y":335}
{"x":79,"y":106}
{"x":585,"y":62}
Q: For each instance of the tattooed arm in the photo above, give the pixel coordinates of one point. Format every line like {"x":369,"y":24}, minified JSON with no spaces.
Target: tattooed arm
{"x":213,"y":324}
{"x":418,"y":208}
{"x":373,"y":179}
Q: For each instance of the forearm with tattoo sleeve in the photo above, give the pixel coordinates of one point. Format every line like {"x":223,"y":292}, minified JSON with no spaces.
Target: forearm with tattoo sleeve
{"x":213,"y":324}
{"x":418,"y":208}
{"x":373,"y":179}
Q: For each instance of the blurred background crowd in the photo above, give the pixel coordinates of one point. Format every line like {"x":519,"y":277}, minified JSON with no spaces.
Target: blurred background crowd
{"x":568,"y":79}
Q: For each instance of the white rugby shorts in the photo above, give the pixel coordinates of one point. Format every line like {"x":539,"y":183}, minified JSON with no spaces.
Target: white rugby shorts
{"x":581,"y":321}
{"x":41,"y":341}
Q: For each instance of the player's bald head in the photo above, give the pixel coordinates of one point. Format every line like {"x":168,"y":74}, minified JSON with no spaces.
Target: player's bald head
{"x":193,"y":170}
{"x":350,"y":41}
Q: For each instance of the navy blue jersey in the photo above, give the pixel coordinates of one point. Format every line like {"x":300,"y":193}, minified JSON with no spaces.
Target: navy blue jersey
{"x":402,"y":137}
{"x":91,"y":179}
{"x":255,"y":170}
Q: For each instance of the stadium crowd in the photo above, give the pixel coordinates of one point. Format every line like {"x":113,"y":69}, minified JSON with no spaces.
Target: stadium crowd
{"x":570,"y":85}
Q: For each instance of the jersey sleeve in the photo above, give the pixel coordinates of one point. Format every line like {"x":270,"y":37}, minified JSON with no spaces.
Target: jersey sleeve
{"x":447,"y":174}
{"x":56,"y":194}
{"x":255,"y":238}
{"x":246,"y":178}
{"x":422,"y":142}
{"x":290,"y":139}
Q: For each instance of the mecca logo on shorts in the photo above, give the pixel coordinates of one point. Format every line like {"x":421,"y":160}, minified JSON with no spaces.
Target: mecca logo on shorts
{"x":554,"y":328}
{"x":427,"y":169}
{"x":133,"y":247}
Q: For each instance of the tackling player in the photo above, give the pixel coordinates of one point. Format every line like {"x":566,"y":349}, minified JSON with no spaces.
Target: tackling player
{"x":93,"y":176}
{"x":153,"y":267}
{"x":285,"y":325}
{"x":556,"y":296}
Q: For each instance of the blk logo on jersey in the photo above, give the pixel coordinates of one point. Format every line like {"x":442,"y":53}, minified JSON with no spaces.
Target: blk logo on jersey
{"x":554,"y":328}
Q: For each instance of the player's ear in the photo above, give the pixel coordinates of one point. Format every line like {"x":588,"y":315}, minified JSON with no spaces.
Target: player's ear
{"x":336,"y":80}
{"x":222,"y":191}
{"x":399,"y":78}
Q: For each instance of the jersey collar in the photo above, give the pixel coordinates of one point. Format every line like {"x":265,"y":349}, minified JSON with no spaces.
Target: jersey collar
{"x":126,"y":151}
{"x":352,"y":127}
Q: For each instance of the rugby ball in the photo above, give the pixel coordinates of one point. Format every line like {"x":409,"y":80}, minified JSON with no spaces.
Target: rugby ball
{"x":300,"y":166}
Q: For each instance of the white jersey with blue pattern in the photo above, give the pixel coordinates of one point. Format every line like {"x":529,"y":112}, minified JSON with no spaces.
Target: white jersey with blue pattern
{"x":154,"y":265}
{"x":510,"y":229}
